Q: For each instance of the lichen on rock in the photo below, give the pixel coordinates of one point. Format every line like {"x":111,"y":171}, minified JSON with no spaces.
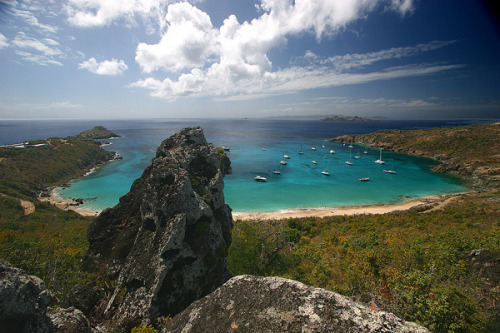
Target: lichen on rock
{"x":271,"y":304}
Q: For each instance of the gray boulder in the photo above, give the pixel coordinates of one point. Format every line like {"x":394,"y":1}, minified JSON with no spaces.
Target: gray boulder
{"x":68,"y":320}
{"x":165,"y":243}
{"x":259,"y":304}
{"x":23,"y":301}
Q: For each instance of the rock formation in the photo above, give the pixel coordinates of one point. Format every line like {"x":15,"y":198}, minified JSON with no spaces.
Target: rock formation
{"x":24,"y":306}
{"x":258,"y":304}
{"x":23,"y":301}
{"x":165,"y":244}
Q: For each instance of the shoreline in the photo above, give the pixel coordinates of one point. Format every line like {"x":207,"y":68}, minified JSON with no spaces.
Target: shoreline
{"x":434,"y":202}
{"x":67,"y":204}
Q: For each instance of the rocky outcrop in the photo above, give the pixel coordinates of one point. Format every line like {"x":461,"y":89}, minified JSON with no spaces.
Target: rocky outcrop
{"x":23,"y":301}
{"x":258,"y":304}
{"x":24,"y":306}
{"x":68,"y":320}
{"x":165,"y":244}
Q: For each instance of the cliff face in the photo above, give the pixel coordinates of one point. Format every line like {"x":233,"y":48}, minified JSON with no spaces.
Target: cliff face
{"x":165,"y":243}
{"x":258,"y":304}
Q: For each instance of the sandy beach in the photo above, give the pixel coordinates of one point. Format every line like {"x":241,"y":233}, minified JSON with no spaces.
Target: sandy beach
{"x":437,"y":202}
{"x":67,"y":204}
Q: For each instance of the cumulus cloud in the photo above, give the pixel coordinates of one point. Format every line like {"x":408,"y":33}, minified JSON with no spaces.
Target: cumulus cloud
{"x":94,"y":13}
{"x":233,"y":60}
{"x":107,"y":67}
{"x":188,"y":42}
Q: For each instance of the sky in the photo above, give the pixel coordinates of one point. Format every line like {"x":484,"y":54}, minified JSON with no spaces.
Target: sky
{"x":118,"y":59}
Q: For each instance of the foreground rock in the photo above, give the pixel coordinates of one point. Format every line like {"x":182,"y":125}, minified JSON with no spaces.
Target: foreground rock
{"x":257,"y":304}
{"x":24,"y":306}
{"x":165,"y":244}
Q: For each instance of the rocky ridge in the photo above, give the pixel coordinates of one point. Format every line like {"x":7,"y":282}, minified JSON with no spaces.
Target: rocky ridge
{"x":165,"y":244}
{"x":469,"y":151}
{"x":271,"y":304}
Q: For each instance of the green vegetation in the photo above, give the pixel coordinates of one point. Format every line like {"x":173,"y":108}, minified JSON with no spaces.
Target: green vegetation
{"x":469,"y":151}
{"x":96,"y":133}
{"x":414,"y":262}
{"x":24,"y":172}
{"x":48,"y":242}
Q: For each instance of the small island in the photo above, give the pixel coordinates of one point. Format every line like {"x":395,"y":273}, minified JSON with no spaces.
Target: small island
{"x":97,"y":133}
{"x":345,"y":118}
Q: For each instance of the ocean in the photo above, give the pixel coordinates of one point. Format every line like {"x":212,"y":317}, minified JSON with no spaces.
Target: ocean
{"x":256,"y":148}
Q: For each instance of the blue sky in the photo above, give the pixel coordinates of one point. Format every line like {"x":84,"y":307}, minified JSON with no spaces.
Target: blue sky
{"x":248,"y":58}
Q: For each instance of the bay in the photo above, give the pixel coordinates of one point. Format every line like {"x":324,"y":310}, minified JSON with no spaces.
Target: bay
{"x":256,"y":148}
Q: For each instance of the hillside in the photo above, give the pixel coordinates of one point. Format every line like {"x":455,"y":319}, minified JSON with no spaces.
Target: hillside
{"x":96,"y":133}
{"x":472,"y":152}
{"x":24,"y":172}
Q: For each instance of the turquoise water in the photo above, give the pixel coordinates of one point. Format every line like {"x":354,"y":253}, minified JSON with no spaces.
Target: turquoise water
{"x":300,"y":185}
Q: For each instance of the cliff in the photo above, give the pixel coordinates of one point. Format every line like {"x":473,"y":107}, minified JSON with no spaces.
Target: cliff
{"x":165,"y":244}
{"x":271,"y":304}
{"x":471,"y":151}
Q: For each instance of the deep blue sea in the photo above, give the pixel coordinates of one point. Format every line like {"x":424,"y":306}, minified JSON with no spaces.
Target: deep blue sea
{"x":256,"y":148}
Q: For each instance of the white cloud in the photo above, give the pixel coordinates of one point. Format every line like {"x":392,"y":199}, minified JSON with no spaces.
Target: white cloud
{"x":94,"y":13}
{"x":106,"y":67}
{"x":232,"y":61}
{"x":353,"y":61}
{"x":188,"y":42}
{"x":29,"y":17}
{"x":43,"y":51}
{"x":3,"y":41}
{"x":55,"y":106}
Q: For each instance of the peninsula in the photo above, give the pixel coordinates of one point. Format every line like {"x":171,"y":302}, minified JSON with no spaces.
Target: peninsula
{"x":470,"y":152}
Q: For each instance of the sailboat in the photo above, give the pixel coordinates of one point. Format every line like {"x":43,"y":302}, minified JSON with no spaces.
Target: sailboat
{"x":286,"y":156}
{"x":348,"y":162}
{"x":380,"y":161}
{"x":332,"y":151}
{"x":300,"y":151}
{"x":277,"y":172}
{"x":357,"y":156}
{"x":364,"y":179}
